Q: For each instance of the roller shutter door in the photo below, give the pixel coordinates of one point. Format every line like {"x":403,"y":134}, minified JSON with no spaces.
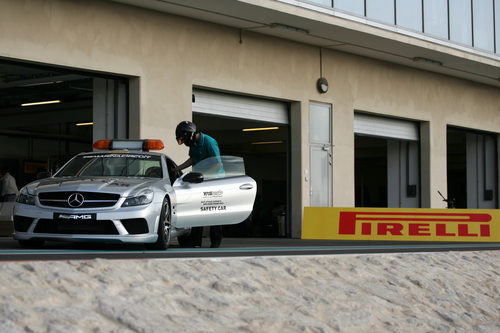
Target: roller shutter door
{"x":236,"y":106}
{"x":385,"y":127}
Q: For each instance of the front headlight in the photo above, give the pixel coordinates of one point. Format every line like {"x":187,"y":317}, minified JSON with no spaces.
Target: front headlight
{"x":25,"y":197}
{"x":142,"y":198}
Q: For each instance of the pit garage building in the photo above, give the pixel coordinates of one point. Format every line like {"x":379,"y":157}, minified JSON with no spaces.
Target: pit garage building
{"x":374,"y":103}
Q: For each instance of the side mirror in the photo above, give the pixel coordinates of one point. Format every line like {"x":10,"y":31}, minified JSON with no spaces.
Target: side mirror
{"x":193,"y":177}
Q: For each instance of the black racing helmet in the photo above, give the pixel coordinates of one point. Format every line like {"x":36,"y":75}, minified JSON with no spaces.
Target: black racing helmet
{"x":185,"y":133}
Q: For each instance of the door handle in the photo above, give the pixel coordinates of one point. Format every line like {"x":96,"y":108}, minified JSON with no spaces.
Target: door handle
{"x":246,"y":187}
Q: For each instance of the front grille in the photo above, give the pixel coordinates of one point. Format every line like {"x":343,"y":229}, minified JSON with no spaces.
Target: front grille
{"x":136,"y":226}
{"x":22,"y":223}
{"x":87,"y":199}
{"x":80,"y":227}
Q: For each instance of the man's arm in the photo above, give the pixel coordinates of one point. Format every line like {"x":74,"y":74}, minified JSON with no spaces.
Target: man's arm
{"x":184,"y":165}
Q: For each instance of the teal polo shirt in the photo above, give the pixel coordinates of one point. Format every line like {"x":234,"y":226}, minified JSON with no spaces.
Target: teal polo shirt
{"x":206,"y":147}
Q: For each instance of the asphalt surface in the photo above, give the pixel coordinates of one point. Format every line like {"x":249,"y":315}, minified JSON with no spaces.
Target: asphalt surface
{"x":231,"y":247}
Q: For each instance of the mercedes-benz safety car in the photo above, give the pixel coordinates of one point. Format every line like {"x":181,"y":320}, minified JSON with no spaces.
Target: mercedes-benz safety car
{"x":128,"y":194}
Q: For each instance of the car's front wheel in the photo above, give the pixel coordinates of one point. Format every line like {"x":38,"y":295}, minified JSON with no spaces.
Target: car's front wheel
{"x":164,"y":228}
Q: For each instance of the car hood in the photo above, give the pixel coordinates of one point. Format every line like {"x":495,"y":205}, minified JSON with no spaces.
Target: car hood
{"x":118,"y":185}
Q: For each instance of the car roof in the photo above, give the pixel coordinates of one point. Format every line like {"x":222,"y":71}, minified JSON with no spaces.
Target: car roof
{"x":125,"y":152}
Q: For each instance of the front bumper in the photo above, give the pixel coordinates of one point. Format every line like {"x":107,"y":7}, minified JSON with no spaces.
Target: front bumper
{"x":123,"y":225}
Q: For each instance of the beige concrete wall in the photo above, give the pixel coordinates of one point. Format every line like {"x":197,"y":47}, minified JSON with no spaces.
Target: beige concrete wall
{"x":168,"y":55}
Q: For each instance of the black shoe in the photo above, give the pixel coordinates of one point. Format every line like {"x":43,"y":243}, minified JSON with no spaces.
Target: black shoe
{"x":215,"y":245}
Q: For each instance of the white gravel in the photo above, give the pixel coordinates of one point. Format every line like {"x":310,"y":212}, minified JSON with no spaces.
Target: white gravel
{"x":413,"y":292}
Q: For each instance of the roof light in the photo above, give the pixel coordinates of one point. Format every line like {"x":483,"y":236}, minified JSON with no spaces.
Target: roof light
{"x":260,"y":129}
{"x":41,"y":103}
{"x":41,"y":83}
{"x":102,"y":144}
{"x":289,"y":28}
{"x":145,"y":145}
{"x":152,"y":145}
{"x":428,"y":61}
{"x":266,"y":142}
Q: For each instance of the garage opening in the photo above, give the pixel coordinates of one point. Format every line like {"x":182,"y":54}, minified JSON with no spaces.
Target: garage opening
{"x":472,"y":168}
{"x":257,"y":130}
{"x":49,"y":114}
{"x":387,"y":162}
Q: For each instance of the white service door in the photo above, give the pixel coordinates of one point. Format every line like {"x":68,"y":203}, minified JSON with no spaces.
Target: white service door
{"x":320,"y":134}
{"x":320,"y":176}
{"x":214,"y":202}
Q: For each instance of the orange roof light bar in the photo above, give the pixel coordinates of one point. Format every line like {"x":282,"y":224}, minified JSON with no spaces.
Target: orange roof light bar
{"x":145,"y":145}
{"x":102,"y":144}
{"x":152,"y":145}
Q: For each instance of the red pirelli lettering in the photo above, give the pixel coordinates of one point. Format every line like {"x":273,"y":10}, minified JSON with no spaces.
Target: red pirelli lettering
{"x":419,"y":229}
{"x":366,"y":228}
{"x":441,"y":230}
{"x":392,"y":228}
{"x":418,"y":224}
{"x":485,"y":230}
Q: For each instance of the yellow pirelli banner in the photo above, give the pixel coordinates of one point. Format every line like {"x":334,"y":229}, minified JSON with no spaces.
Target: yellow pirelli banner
{"x":402,"y":224}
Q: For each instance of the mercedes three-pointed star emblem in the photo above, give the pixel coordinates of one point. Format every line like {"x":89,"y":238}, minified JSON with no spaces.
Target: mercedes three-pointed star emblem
{"x":75,"y":200}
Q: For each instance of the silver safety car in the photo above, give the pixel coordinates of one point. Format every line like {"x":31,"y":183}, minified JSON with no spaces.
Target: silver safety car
{"x":128,"y":194}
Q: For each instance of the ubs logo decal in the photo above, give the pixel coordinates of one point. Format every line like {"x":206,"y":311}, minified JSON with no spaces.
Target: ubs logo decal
{"x":213,"y":194}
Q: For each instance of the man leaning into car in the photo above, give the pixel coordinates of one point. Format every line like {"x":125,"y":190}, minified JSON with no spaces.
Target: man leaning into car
{"x":201,"y":146}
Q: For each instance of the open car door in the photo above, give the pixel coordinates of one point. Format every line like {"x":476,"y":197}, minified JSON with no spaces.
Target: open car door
{"x":216,"y":192}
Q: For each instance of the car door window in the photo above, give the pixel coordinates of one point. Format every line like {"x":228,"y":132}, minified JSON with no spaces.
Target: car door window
{"x":217,"y":167}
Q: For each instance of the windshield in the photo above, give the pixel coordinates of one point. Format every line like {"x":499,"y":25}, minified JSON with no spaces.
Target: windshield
{"x":126,"y":165}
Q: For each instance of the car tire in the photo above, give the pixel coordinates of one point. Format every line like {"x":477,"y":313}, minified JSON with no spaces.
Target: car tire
{"x":31,"y":244}
{"x":164,"y":228}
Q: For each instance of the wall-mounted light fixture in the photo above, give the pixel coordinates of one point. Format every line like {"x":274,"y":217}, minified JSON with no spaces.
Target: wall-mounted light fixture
{"x":42,"y":103}
{"x":322,"y":83}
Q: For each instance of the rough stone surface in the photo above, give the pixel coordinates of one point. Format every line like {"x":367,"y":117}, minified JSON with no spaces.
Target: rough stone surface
{"x":413,"y":292}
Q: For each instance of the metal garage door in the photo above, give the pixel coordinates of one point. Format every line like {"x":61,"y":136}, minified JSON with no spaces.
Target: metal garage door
{"x":401,"y":141}
{"x":236,"y":106}
{"x":385,"y":127}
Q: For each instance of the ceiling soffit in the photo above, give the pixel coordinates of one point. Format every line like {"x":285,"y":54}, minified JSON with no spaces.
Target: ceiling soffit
{"x":330,"y":29}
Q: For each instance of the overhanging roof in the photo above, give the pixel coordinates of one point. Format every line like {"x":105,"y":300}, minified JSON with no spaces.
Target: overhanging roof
{"x":331,"y":29}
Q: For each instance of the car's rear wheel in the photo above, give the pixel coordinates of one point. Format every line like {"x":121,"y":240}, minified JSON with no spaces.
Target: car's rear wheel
{"x":164,"y":228}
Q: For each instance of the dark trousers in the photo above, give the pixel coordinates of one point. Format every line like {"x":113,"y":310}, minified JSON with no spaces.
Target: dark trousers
{"x":8,"y":198}
{"x":215,"y":235}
